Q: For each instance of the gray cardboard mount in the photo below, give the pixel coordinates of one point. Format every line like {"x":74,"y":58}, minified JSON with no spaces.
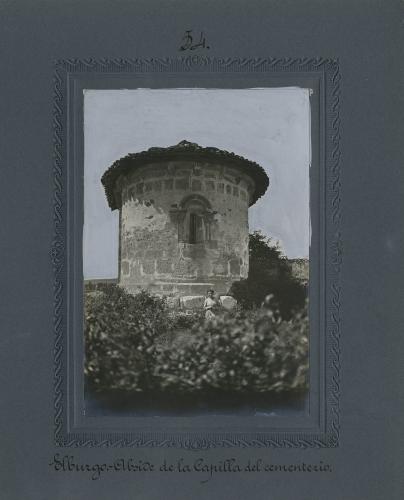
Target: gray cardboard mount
{"x":358,"y":50}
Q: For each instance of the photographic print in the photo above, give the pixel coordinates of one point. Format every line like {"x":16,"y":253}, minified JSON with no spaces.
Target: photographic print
{"x":196,"y":244}
{"x":201,"y":248}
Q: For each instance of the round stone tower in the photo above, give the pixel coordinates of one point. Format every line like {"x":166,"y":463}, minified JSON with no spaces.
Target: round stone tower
{"x":183,"y":218}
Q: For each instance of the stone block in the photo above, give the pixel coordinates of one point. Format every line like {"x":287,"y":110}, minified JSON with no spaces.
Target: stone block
{"x":125,"y":267}
{"x":228,"y":302}
{"x":181,"y":184}
{"x":192,"y":301}
{"x":148,"y":267}
{"x":220,"y":268}
{"x":210,"y":185}
{"x":235,"y":266}
{"x":164,"y":266}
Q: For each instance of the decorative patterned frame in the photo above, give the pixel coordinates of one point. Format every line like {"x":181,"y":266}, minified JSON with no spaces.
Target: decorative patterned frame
{"x":326,"y":69}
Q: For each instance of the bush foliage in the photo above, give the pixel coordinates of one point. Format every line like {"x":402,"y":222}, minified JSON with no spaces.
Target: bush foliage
{"x":242,"y":352}
{"x":120,"y":333}
{"x":270,"y":273}
{"x":246,"y":351}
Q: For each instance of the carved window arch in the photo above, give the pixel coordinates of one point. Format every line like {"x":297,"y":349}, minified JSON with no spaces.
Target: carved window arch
{"x":194,"y":223}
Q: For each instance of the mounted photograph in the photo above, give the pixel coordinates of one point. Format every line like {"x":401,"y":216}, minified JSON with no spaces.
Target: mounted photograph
{"x":196,"y":244}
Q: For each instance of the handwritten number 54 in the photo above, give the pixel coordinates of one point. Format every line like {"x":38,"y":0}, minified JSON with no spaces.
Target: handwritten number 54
{"x":188,"y":41}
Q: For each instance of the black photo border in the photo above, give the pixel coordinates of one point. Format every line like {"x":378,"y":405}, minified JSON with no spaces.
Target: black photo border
{"x":321,"y":428}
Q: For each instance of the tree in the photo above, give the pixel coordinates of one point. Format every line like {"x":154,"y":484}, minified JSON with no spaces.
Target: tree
{"x":270,"y":273}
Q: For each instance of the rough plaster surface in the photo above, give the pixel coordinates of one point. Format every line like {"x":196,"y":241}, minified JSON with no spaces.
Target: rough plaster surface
{"x":155,"y":252}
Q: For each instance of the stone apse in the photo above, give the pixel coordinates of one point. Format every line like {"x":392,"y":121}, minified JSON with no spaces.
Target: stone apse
{"x":183,"y":218}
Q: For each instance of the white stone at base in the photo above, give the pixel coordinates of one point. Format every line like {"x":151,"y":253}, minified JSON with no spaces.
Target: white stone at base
{"x":228,"y":302}
{"x":192,"y":301}
{"x":196,"y":302}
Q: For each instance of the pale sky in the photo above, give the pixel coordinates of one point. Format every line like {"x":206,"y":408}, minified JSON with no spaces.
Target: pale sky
{"x":270,"y":126}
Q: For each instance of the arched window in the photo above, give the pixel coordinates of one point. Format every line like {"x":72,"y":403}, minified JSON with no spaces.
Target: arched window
{"x":195,"y":224}
{"x":196,"y":228}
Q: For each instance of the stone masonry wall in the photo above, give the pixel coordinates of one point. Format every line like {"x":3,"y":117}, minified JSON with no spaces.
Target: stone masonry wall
{"x":153,"y":251}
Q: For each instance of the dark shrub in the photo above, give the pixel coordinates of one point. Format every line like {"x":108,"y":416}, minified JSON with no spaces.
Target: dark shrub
{"x":245,"y":352}
{"x":120,"y":332}
{"x":269,"y":273}
{"x":241,"y":352}
{"x":180,"y":320}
